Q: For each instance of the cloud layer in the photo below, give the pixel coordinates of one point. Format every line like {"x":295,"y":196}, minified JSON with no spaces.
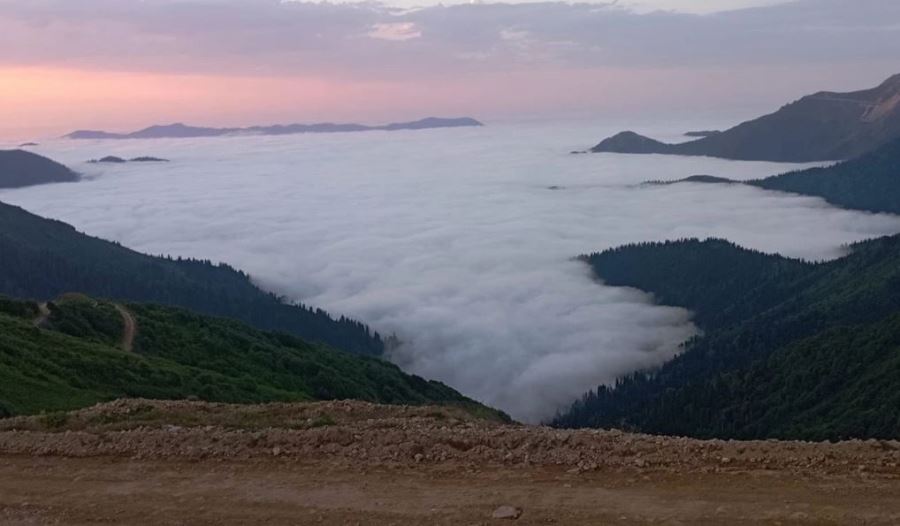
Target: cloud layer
{"x":450,"y":238}
{"x":284,"y":38}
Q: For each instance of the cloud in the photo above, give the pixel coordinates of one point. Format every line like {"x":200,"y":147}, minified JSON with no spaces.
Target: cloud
{"x":487,"y":60}
{"x":288,"y":38}
{"x":395,"y":31}
{"x":449,"y":238}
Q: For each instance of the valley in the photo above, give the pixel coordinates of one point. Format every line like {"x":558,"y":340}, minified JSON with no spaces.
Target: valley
{"x":254,"y":286}
{"x":466,"y":268}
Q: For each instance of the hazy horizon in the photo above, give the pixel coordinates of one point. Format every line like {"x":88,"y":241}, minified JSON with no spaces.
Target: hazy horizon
{"x":127,"y":64}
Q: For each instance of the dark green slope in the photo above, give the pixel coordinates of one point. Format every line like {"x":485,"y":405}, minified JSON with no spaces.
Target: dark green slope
{"x":41,"y":259}
{"x":703,"y":276}
{"x":870,"y":182}
{"x":19,"y":168}
{"x":775,"y":330}
{"x":74,"y":360}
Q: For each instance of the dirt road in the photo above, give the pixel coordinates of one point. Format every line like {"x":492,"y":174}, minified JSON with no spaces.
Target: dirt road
{"x":137,"y":492}
{"x":129,"y":328}
{"x":43,"y":314}
{"x":340,"y":463}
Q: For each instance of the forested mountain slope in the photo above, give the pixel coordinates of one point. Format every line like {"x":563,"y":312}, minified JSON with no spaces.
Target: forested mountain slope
{"x":42,"y":258}
{"x":790,"y":349}
{"x":870,"y":182}
{"x":71,"y":359}
{"x":19,"y":168}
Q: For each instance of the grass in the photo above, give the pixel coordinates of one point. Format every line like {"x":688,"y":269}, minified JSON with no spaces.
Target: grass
{"x":178,"y":355}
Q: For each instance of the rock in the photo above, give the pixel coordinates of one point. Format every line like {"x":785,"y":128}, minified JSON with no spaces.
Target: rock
{"x":507,"y":512}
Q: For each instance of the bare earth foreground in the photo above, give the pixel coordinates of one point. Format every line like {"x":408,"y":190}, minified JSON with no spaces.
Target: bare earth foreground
{"x":148,"y":462}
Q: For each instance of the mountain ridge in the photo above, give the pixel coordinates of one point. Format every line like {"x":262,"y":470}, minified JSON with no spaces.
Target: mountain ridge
{"x":20,"y":168}
{"x":823,"y":126}
{"x":43,"y":259}
{"x":870,"y":182}
{"x":790,"y":349}
{"x":181,"y":130}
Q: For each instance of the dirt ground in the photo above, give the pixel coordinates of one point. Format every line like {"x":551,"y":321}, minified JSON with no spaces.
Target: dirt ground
{"x":337,"y":463}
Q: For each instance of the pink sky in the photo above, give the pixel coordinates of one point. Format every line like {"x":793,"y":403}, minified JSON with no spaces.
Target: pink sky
{"x":125,"y":64}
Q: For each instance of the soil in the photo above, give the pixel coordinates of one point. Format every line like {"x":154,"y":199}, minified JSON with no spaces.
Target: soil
{"x":129,"y":328}
{"x":144,"y":462}
{"x":43,"y":314}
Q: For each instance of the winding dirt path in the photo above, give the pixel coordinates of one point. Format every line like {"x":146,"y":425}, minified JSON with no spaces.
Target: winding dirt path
{"x":42,"y":317}
{"x":129,"y":330}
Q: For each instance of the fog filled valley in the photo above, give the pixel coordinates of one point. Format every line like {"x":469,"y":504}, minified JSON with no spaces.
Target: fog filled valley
{"x":449,"y":262}
{"x":459,"y":242}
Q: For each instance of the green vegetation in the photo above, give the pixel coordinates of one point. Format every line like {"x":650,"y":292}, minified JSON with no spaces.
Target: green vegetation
{"x":870,"y":182}
{"x":19,"y":308}
{"x":42,"y":259}
{"x":790,"y":349}
{"x":86,"y":318}
{"x":72,"y":361}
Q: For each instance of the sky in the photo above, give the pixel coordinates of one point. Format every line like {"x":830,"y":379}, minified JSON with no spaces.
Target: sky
{"x":125,"y":64}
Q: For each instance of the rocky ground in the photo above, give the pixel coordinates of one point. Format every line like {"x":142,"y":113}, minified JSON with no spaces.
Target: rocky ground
{"x":151,"y":462}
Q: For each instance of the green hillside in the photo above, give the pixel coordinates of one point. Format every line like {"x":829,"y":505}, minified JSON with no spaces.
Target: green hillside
{"x":790,"y":349}
{"x":43,"y":259}
{"x":75,"y":358}
{"x":870,"y":182}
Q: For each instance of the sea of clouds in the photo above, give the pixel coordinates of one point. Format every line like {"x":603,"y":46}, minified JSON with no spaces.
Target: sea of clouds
{"x":452,"y":239}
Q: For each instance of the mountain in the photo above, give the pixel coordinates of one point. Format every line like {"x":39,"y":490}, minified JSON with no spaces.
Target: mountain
{"x":180,"y":130}
{"x":42,"y":259}
{"x":824,"y":126}
{"x":707,"y":179}
{"x":790,"y":349}
{"x":72,"y":358}
{"x":112,"y":159}
{"x":19,"y":168}
{"x":870,"y":182}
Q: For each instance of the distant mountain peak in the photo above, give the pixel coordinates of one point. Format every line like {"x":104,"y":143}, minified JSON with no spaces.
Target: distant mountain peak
{"x":824,"y":126}
{"x":182,"y":130}
{"x":892,"y":82}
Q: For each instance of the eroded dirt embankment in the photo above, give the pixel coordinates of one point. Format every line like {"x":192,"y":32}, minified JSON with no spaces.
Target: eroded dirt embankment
{"x":375,"y":434}
{"x":152,"y":462}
